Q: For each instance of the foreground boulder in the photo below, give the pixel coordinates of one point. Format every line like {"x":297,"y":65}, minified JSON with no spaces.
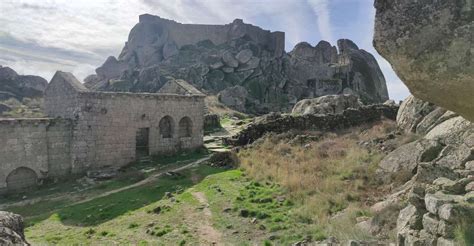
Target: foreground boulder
{"x":332,"y":104}
{"x":429,"y":44}
{"x":11,"y":229}
{"x":439,"y":168}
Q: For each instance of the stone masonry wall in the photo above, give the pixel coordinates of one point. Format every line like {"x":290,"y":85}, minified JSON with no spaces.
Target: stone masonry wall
{"x":37,"y":145}
{"x":92,"y":130}
{"x":107,"y":125}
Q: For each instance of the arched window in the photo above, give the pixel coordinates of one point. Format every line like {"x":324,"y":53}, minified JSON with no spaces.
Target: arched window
{"x":166,"y":127}
{"x":185,"y":127}
{"x":21,"y":178}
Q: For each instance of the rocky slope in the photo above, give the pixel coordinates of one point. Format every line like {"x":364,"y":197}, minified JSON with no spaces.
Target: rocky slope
{"x":244,"y":63}
{"x":13,"y":85}
{"x":439,"y":168}
{"x":429,"y":44}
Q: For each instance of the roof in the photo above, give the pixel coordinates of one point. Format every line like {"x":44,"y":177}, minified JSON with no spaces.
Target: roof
{"x":69,"y":79}
{"x":179,"y":86}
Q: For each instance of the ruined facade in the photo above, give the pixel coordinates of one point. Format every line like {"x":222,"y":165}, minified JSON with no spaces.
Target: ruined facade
{"x":92,"y":130}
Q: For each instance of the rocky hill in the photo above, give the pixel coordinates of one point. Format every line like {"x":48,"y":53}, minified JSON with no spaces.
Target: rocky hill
{"x":13,"y":85}
{"x":20,"y":95}
{"x":246,"y":65}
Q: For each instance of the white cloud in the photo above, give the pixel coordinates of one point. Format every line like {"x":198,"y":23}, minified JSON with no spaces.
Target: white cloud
{"x":322,"y":11}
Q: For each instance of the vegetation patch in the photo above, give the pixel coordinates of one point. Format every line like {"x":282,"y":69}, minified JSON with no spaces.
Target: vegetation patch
{"x":331,"y":181}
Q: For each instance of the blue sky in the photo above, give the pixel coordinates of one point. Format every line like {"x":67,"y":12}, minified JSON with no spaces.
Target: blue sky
{"x":42,"y":36}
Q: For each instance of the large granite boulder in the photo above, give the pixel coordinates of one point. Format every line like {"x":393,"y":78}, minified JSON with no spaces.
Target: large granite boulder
{"x":332,"y":104}
{"x":20,"y":86}
{"x":216,"y":57}
{"x":429,"y":44}
{"x":234,"y":97}
{"x":11,"y":229}
{"x":418,"y":116}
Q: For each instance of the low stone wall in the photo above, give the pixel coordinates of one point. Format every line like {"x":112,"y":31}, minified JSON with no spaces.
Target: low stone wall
{"x":33,"y":149}
{"x":328,"y":122}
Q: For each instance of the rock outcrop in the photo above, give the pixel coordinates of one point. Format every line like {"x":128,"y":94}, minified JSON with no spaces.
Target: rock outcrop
{"x":216,"y":57}
{"x":332,"y":104}
{"x":13,"y":85}
{"x":440,"y":170}
{"x":429,"y":44}
{"x":11,"y":229}
{"x":277,"y":123}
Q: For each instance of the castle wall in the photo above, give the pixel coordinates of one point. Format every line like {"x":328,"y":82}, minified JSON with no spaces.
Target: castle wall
{"x":40,"y":146}
{"x":185,"y":34}
{"x":105,"y":134}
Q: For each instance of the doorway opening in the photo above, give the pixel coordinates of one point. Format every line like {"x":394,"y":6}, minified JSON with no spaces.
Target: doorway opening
{"x":142,"y":142}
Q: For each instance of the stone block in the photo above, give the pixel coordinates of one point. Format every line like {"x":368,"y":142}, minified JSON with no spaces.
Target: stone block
{"x":446,"y":242}
{"x":446,"y":229}
{"x":434,"y":201}
{"x":430,"y":223}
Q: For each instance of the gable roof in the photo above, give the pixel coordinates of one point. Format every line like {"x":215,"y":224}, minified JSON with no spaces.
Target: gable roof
{"x":69,"y":79}
{"x":179,"y":86}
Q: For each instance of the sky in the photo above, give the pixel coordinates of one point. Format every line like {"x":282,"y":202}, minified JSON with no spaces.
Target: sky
{"x":39,"y":37}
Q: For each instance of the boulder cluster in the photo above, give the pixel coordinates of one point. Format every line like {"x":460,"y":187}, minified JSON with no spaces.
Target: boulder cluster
{"x":440,"y":169}
{"x":246,"y":65}
{"x":332,"y":104}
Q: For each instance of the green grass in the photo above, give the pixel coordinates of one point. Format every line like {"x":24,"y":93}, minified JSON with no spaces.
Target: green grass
{"x":130,"y":217}
{"x":109,"y":218}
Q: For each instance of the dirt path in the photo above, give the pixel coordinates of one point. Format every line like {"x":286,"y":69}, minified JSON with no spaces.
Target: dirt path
{"x":79,"y":198}
{"x":143,"y":182}
{"x":206,"y":232}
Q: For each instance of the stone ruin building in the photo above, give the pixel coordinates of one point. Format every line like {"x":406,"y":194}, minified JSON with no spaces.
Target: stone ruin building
{"x":89,"y":130}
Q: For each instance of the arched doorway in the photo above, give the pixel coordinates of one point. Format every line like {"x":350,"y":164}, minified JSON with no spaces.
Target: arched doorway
{"x":166,"y":127}
{"x":21,"y":178}
{"x":185,"y":127}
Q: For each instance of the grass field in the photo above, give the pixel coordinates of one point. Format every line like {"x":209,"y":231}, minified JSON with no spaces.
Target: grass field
{"x":282,"y":193}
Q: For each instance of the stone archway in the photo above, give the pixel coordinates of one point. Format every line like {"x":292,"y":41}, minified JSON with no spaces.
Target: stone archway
{"x":21,"y":178}
{"x":166,"y":127}
{"x":185,"y":127}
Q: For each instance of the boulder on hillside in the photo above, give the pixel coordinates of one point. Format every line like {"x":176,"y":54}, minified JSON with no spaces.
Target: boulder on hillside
{"x":234,"y":97}
{"x":429,"y":45}
{"x":420,"y":117}
{"x":332,"y":104}
{"x":402,"y":162}
{"x":411,"y":113}
{"x":11,"y":229}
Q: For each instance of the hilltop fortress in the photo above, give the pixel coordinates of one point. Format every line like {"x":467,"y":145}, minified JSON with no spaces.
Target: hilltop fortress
{"x":93,"y":130}
{"x":245,"y":65}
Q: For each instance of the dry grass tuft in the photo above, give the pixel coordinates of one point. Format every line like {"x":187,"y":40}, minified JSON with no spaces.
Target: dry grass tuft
{"x":325,"y":177}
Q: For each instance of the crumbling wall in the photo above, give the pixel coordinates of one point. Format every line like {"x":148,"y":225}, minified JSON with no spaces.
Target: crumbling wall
{"x":39,"y":146}
{"x":105,"y":134}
